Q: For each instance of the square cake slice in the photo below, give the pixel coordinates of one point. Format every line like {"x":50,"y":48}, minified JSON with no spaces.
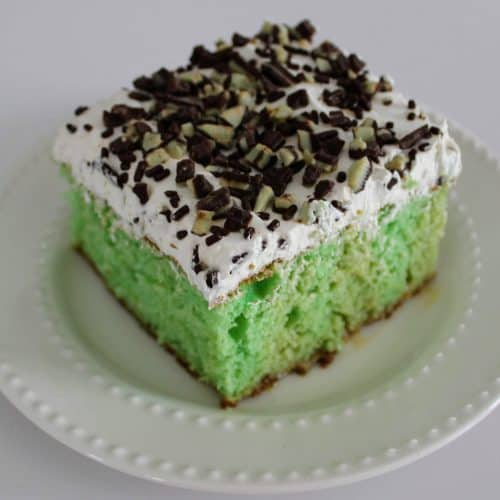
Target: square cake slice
{"x":257,"y":205}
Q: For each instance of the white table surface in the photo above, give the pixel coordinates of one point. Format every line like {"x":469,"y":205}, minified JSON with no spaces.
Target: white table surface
{"x":56,"y":55}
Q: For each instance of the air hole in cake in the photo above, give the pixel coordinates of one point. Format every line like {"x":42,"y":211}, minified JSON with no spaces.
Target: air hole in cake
{"x":265,"y":287}
{"x":240,"y":327}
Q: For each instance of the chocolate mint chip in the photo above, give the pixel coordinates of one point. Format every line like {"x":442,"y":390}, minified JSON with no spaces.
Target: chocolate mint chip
{"x":215,"y":201}
{"x":273,"y":139}
{"x":239,"y":40}
{"x":305,"y":29}
{"x":237,"y":219}
{"x":338,"y":119}
{"x":311,"y":175}
{"x":185,"y":170}
{"x":355,"y":63}
{"x":201,"y":186}
{"x":200,"y":149}
{"x":289,"y":212}
{"x":334,"y":98}
{"x":323,"y":188}
{"x":298,"y":99}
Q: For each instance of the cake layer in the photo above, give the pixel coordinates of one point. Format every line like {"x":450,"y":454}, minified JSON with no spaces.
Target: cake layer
{"x":289,"y":312}
{"x":255,"y":153}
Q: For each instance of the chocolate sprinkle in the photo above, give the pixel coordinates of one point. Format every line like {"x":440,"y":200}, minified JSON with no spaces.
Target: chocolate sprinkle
{"x":212,"y":239}
{"x":80,"y":110}
{"x":273,"y":225}
{"x":282,"y":243}
{"x":141,"y":191}
{"x":167,"y":213}
{"x":173,"y":197}
{"x":181,"y":234}
{"x":107,"y":133}
{"x":238,"y":258}
{"x":139,"y":171}
{"x":87,"y":127}
{"x":249,"y":233}
{"x":71,"y":128}
{"x":212,"y":278}
{"x":392,"y":182}
{"x":180,"y":213}
{"x":341,"y":177}
{"x":411,"y":139}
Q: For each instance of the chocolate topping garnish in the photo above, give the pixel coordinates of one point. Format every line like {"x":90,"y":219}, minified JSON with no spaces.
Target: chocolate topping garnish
{"x":411,"y":139}
{"x":141,"y":191}
{"x":185,"y":170}
{"x":298,"y":99}
{"x":215,"y":201}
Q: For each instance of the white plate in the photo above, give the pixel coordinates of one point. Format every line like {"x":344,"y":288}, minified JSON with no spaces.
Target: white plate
{"x":80,"y":368}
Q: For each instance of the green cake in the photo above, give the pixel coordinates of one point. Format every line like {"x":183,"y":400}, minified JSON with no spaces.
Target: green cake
{"x":255,"y":207}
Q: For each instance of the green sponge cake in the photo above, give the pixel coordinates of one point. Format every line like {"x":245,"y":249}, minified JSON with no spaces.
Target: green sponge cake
{"x":254,"y":207}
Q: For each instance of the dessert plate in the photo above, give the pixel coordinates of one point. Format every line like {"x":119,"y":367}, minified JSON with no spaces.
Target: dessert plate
{"x":81,"y":369}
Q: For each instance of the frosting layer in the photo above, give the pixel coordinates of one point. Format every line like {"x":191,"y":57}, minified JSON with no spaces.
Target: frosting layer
{"x":254,"y":153}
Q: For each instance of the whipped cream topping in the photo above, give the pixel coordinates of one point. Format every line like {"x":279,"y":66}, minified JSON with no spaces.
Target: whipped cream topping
{"x":217,"y":267}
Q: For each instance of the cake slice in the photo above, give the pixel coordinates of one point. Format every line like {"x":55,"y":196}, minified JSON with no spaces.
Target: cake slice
{"x":254,"y":207}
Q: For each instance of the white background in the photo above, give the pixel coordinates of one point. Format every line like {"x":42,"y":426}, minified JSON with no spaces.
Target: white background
{"x":56,"y":55}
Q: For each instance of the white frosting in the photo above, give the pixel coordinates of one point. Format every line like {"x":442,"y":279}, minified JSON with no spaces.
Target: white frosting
{"x":81,"y":151}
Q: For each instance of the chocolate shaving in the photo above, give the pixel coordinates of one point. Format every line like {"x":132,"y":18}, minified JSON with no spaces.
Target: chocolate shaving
{"x":411,"y":139}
